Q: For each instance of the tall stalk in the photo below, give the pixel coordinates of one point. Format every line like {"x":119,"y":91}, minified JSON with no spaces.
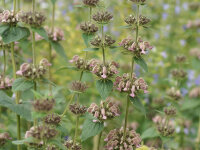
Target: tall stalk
{"x":3,"y":3}
{"x":132,"y":69}
{"x":76,"y":130}
{"x":103,"y":48}
{"x":99,"y":140}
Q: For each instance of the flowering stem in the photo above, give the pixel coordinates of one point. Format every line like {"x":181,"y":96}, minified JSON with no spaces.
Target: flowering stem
{"x":76,"y":130}
{"x":99,"y":140}
{"x":18,"y":5}
{"x":126,"y":118}
{"x":103,"y":50}
{"x":16,"y":94}
{"x":3,"y":3}
{"x":66,"y":108}
{"x":90,"y":14}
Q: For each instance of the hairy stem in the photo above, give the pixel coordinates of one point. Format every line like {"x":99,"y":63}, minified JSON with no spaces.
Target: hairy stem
{"x":76,"y":130}
{"x":66,"y":108}
{"x":99,"y":140}
{"x":103,"y":48}
{"x":126,"y":118}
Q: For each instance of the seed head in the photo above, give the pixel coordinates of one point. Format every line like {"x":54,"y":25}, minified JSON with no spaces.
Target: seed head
{"x":175,"y":94}
{"x":142,"y":2}
{"x":51,"y":147}
{"x":9,"y":17}
{"x":179,"y":73}
{"x":78,"y":86}
{"x":52,"y":119}
{"x":195,"y":93}
{"x":195,"y":52}
{"x":102,"y":17}
{"x":5,"y":82}
{"x":57,"y":35}
{"x":181,"y":59}
{"x":88,"y":27}
{"x":43,"y":105}
{"x":4,"y":137}
{"x":91,"y":3}
{"x":77,"y":109}
{"x":170,"y":111}
{"x":69,"y":144}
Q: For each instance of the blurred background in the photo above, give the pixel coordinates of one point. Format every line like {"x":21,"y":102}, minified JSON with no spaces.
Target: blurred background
{"x":174,"y":31}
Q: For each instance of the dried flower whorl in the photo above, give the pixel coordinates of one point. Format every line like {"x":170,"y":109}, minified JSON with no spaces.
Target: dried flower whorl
{"x":181,"y":59}
{"x":78,"y":86}
{"x":193,"y":24}
{"x":33,"y":19}
{"x":138,"y":49}
{"x":51,"y":147}
{"x":77,"y":109}
{"x":69,"y":144}
{"x":195,"y":52}
{"x":8,"y":17}
{"x":57,"y":35}
{"x":5,"y":82}
{"x":195,"y":93}
{"x":114,"y":140}
{"x":4,"y":137}
{"x":108,"y":41}
{"x":130,"y":85}
{"x":88,"y":27}
{"x":170,"y":111}
{"x":102,"y":17}
{"x":107,"y":110}
{"x":138,"y":1}
{"x":175,"y":94}
{"x":45,"y":105}
{"x":179,"y":73}
{"x":52,"y":119}
{"x":91,"y":3}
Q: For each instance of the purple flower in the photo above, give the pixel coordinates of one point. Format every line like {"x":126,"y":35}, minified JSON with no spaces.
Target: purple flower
{"x":177,"y":10}
{"x":164,"y":16}
{"x":197,"y":80}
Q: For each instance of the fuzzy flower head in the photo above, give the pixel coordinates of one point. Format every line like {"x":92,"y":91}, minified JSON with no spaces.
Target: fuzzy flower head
{"x":57,"y":35}
{"x":43,"y":105}
{"x":4,"y":137}
{"x":9,"y":17}
{"x":136,"y":48}
{"x":195,"y":52}
{"x":114,"y":140}
{"x":181,"y":59}
{"x":174,"y":94}
{"x":179,"y":73}
{"x":130,"y":85}
{"x":5,"y":82}
{"x":30,"y":71}
{"x":79,"y":62}
{"x":102,"y":17}
{"x":77,"y":109}
{"x":33,"y":19}
{"x":73,"y":146}
{"x":41,"y":132}
{"x":78,"y":86}
{"x":52,"y":119}
{"x":170,"y":111}
{"x":105,"y":72}
{"x":108,"y":41}
{"x":131,"y":20}
{"x":195,"y":93}
{"x":107,"y":110}
{"x":90,"y":3}
{"x":193,"y":24}
{"x":88,"y":27}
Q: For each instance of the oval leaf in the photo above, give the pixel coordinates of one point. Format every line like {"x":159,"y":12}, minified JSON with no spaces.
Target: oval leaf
{"x":140,"y":61}
{"x":22,"y":84}
{"x":59,"y":49}
{"x":41,"y":31}
{"x":138,"y":104}
{"x":104,"y":87}
{"x":3,"y":28}
{"x":87,"y":37}
{"x":91,"y":49}
{"x":149,"y":133}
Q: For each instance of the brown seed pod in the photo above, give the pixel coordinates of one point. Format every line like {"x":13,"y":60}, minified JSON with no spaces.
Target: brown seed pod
{"x":43,"y":105}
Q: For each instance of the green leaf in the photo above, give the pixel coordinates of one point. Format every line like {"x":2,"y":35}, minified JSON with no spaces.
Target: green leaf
{"x":21,"y":109}
{"x":104,"y":87}
{"x":3,"y":28}
{"x":37,"y":115}
{"x":57,"y":143}
{"x":59,"y":49}
{"x":87,"y":37}
{"x":67,"y":68}
{"x":149,"y":133}
{"x":190,"y":104}
{"x":91,"y":128}
{"x":41,"y":31}
{"x":91,"y":49}
{"x":141,"y":62}
{"x":14,"y":34}
{"x":138,"y":104}
{"x":21,"y":142}
{"x":53,"y":1}
{"x":22,"y":84}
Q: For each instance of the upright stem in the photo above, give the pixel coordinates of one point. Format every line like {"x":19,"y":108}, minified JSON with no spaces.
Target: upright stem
{"x":90,"y":14}
{"x":76,"y":130}
{"x":103,"y":49}
{"x":66,"y":108}
{"x":14,"y":5}
{"x":198,"y":137}
{"x":3,"y":3}
{"x":18,"y":5}
{"x":33,"y":49}
{"x":126,"y":117}
{"x":4,"y":65}
{"x":99,"y":140}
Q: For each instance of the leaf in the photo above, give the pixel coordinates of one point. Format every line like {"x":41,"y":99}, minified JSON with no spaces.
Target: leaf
{"x":190,"y":104}
{"x":37,"y":115}
{"x":47,"y":81}
{"x":67,"y":67}
{"x":21,"y":109}
{"x":149,"y":133}
{"x":53,"y":1}
{"x":141,"y":62}
{"x":87,"y":37}
{"x":14,"y":34}
{"x":3,"y":28}
{"x":59,"y":49}
{"x":41,"y":31}
{"x":91,"y":128}
{"x":21,"y":142}
{"x":22,"y":84}
{"x":57,"y":143}
{"x":114,"y":47}
{"x":138,"y":104}
{"x":104,"y":87}
{"x":91,"y":49}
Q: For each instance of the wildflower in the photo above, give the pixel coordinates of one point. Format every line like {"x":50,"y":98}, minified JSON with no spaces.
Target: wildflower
{"x":79,"y":62}
{"x":193,"y":24}
{"x":170,"y":111}
{"x":175,"y":94}
{"x":165,"y":129}
{"x":179,"y":73}
{"x":35,"y":19}
{"x":9,"y":17}
{"x":102,"y":17}
{"x":78,"y":86}
{"x":195,"y":52}
{"x":137,"y":48}
{"x":130,"y":20}
{"x":195,"y":93}
{"x":88,"y":27}
{"x":43,"y":105}
{"x":5,"y":82}
{"x":41,"y":132}
{"x":77,"y":109}
{"x":180,"y":59}
{"x":130,"y":85}
{"x":57,"y":35}
{"x":114,"y":140}
{"x":106,"y":110}
{"x":69,"y":144}
{"x":108,"y":41}
{"x":52,"y":119}
{"x":91,"y":3}
{"x":4,"y":137}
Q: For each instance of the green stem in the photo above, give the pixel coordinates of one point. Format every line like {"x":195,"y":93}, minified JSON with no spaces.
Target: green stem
{"x":66,"y":108}
{"x":103,"y":49}
{"x":3,"y":3}
{"x":198,"y":137}
{"x":33,"y":6}
{"x":16,"y":94}
{"x":33,"y":49}
{"x":4,"y":65}
{"x":76,"y":130}
{"x":14,"y":6}
{"x":126,"y":118}
{"x":138,"y":23}
{"x":18,"y":5}
{"x":99,"y":140}
{"x":90,"y":14}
